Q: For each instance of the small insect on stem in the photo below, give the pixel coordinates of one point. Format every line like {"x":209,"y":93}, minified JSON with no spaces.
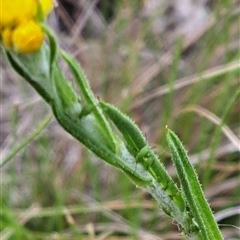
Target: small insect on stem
{"x":193,"y":228}
{"x":87,"y":109}
{"x":149,"y":160}
{"x":167,"y":211}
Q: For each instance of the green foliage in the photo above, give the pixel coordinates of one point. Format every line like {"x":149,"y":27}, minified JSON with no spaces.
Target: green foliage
{"x":191,"y":188}
{"x":64,"y":206}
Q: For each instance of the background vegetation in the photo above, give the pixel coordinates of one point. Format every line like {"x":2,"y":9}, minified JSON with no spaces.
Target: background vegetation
{"x":172,"y":63}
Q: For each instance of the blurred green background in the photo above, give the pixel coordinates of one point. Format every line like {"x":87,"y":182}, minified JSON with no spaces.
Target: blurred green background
{"x":172,"y":63}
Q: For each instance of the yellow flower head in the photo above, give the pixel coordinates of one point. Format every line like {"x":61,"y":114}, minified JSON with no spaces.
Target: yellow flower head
{"x":12,"y":12}
{"x":18,"y":26}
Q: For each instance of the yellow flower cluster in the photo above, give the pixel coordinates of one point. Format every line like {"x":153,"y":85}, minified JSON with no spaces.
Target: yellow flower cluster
{"x":19,"y":28}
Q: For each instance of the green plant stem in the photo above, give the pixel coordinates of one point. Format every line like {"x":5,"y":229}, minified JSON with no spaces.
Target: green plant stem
{"x":42,"y":125}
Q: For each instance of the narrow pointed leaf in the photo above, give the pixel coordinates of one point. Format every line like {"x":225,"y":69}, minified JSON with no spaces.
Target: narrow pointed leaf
{"x":88,"y":96}
{"x":191,"y":187}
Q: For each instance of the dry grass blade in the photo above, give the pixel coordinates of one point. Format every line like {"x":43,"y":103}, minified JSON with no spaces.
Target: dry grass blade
{"x":186,"y":81}
{"x":83,"y":18}
{"x":216,"y":120}
{"x":166,"y":59}
{"x":228,"y":185}
{"x":121,"y":228}
{"x":227,"y":213}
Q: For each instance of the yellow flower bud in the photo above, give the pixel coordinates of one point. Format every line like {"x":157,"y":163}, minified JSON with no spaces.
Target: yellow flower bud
{"x":27,"y":37}
{"x":7,"y":37}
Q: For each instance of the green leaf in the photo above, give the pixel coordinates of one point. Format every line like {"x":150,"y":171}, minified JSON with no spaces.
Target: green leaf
{"x":88,"y":96}
{"x":34,"y":68}
{"x":191,"y":187}
{"x":65,"y":94}
{"x":132,"y":135}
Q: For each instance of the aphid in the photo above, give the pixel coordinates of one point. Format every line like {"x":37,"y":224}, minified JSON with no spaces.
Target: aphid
{"x":87,"y":109}
{"x":193,"y":228}
{"x":151,"y":163}
{"x":167,"y":211}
